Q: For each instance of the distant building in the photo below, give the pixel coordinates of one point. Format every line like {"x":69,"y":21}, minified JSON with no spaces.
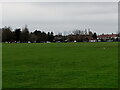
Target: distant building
{"x":79,"y":38}
{"x":59,"y":38}
{"x":107,"y":36}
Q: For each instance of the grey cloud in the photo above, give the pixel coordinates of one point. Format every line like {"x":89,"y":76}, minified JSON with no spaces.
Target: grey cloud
{"x":64,"y":16}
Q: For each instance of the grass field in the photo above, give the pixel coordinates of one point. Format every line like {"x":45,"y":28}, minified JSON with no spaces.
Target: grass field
{"x":60,"y":65}
{"x":0,"y":65}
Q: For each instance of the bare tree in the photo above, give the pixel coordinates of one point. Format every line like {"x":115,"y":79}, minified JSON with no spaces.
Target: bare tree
{"x":77,"y":32}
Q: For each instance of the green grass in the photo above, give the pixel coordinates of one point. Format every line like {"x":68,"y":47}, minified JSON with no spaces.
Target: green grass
{"x":0,"y":65}
{"x":60,"y":65}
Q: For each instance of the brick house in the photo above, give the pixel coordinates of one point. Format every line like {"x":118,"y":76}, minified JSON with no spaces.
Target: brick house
{"x":108,"y":37}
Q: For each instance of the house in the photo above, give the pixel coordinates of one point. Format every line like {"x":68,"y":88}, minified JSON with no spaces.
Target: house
{"x":92,"y":40}
{"x":79,"y":38}
{"x":59,"y":38}
{"x":107,"y":37}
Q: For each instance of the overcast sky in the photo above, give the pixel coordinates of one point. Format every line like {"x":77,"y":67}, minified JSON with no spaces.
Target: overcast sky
{"x":100,"y":17}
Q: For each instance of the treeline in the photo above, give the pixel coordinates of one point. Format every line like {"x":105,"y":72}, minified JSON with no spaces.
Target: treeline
{"x":23,"y":36}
